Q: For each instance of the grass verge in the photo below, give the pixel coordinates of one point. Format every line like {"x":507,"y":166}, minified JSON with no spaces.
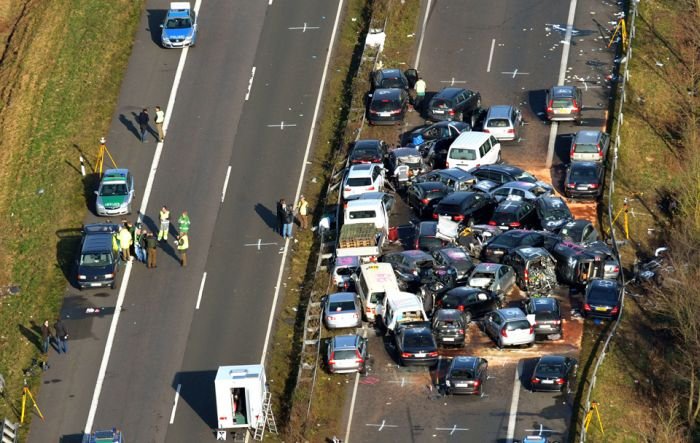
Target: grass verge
{"x":59,"y":81}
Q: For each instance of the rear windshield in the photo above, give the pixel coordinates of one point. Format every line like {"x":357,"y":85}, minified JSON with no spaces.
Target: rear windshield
{"x":526,"y":177}
{"x":451,"y":301}
{"x":441,"y":103}
{"x":586,"y":174}
{"x":498,"y":123}
{"x":562,"y":103}
{"x":482,"y":275}
{"x":100,"y":259}
{"x":603,"y":296}
{"x":340,"y":306}
{"x":462,"y":373}
{"x":384,"y":105}
{"x":586,"y":149}
{"x":545,"y":369}
{"x":462,"y":154}
{"x":391,"y":83}
{"x":356,"y":215}
{"x":556,"y":214}
{"x":417,"y":340}
{"x":348,"y":354}
{"x":430,"y":242}
{"x":449,"y":209}
{"x":504,"y":217}
{"x":517,"y":324}
{"x":359,"y":181}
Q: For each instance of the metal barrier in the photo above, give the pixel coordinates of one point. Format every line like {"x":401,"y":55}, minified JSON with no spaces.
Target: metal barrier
{"x":10,"y":431}
{"x":623,"y":74}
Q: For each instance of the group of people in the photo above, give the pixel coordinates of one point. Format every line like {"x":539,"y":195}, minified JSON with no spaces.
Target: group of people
{"x":143,"y":120}
{"x":286,"y":214}
{"x":138,"y":241}
{"x":60,"y":337}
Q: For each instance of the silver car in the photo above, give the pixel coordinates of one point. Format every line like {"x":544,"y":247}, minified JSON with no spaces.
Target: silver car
{"x":521,"y":191}
{"x":342,"y":310}
{"x":509,"y":327}
{"x":494,"y":277}
{"x":503,"y":122}
{"x":347,"y":353}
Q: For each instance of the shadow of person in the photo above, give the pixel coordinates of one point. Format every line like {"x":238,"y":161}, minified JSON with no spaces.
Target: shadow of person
{"x":269,"y":217}
{"x":129,"y":124}
{"x":33,"y":334}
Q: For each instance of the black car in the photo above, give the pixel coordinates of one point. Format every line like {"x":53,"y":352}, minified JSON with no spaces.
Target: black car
{"x":514,"y":214}
{"x":467,"y":207}
{"x":425,"y":238}
{"x":387,"y":106}
{"x":438,"y":131}
{"x":422,"y":197}
{"x":98,"y":262}
{"x":554,"y":373}
{"x":409,"y":157}
{"x":367,"y":151}
{"x":449,"y":327}
{"x":415,"y":345}
{"x":602,"y":299}
{"x":473,"y":302}
{"x":393,"y":78}
{"x":578,"y":264}
{"x":552,"y":213}
{"x":455,"y":258}
{"x":503,"y":173}
{"x":584,"y":179}
{"x":413,"y":268}
{"x":579,"y":231}
{"x":466,"y":375}
{"x":436,"y":152}
{"x":547,"y":316}
{"x":501,"y":245}
{"x":454,"y":178}
{"x":456,"y":104}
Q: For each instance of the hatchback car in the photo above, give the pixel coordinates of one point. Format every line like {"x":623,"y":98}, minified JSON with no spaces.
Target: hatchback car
{"x":387,"y":106}
{"x":554,"y":373}
{"x":564,"y":103}
{"x":115,"y":194}
{"x":501,"y":245}
{"x":520,"y":190}
{"x":394,"y":78}
{"x":347,"y":353}
{"x":344,"y":269}
{"x":503,"y":122}
{"x":503,"y":173}
{"x":367,"y":151}
{"x":466,"y":375}
{"x":456,"y":104}
{"x":547,"y":316}
{"x":415,"y":345}
{"x":590,"y":145}
{"x":602,"y":299}
{"x":552,"y":212}
{"x":509,"y":327}
{"x":409,"y":158}
{"x":449,"y":326}
{"x":180,"y":26}
{"x":363,"y":178}
{"x":342,"y":310}
{"x":98,"y":262}
{"x":422,"y":197}
{"x":413,"y":268}
{"x":494,"y":277}
{"x":579,"y":231}
{"x":455,"y":258}
{"x":467,"y":207}
{"x":436,"y":131}
{"x":514,"y":214}
{"x":425,"y":237}
{"x":584,"y":179}
{"x":472,"y":302}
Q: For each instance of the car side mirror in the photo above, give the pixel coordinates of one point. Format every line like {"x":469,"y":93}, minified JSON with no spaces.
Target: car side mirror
{"x":161,"y":26}
{"x":96,"y":193}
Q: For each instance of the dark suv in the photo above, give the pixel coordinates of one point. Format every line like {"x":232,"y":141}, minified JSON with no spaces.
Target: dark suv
{"x":449,"y":327}
{"x":547,"y":316}
{"x":503,"y":173}
{"x":387,"y":106}
{"x":602,"y":299}
{"x":98,"y":262}
{"x":394,"y":78}
{"x":564,"y":104}
{"x":413,"y":268}
{"x":473,"y":302}
{"x":517,"y":214}
{"x":422,"y":197}
{"x":466,"y":206}
{"x":455,"y":104}
{"x":501,"y":245}
{"x":466,"y":375}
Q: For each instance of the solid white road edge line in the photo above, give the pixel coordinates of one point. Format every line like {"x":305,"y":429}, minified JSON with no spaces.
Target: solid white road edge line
{"x":562,"y":75}
{"x":250,"y":83}
{"x":127,"y":272}
{"x":223,"y":191}
{"x":201,"y":290}
{"x":514,"y":405}
{"x":301,"y":178}
{"x":422,"y":34}
{"x":177,"y":397}
{"x":354,"y":396}
{"x":493,"y":46}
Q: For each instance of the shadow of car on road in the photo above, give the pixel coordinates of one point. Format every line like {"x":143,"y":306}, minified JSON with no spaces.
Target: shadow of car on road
{"x":156,"y":17}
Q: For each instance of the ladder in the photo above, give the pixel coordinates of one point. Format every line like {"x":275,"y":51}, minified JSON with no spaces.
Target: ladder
{"x":10,"y":431}
{"x":268,"y":418}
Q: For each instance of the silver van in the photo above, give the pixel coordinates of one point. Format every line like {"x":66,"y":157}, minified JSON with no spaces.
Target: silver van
{"x":509,"y":327}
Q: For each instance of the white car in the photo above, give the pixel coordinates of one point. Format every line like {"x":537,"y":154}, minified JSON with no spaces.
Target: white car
{"x":363,"y":178}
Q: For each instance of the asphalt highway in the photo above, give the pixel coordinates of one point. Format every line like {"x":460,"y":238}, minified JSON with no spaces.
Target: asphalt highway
{"x":162,"y":339}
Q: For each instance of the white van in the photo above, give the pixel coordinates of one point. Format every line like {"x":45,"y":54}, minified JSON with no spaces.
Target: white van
{"x":399,"y":308}
{"x":473,"y":149}
{"x":366,"y":211}
{"x":372,"y":284}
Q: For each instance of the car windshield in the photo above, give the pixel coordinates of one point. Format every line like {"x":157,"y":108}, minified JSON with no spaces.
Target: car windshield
{"x":417,"y":340}
{"x":111,"y":189}
{"x":463,"y":373}
{"x":355,"y":215}
{"x":96,"y":260}
{"x":359,"y":181}
{"x":384,"y":105}
{"x":517,"y":324}
{"x":526,"y":177}
{"x":556,"y":214}
{"x":347,"y":354}
{"x":586,"y":149}
{"x":463,"y":154}
{"x":178,"y":23}
{"x":583,"y":174}
{"x":548,"y":369}
{"x":340,"y":306}
{"x":501,"y":217}
{"x":498,"y":123}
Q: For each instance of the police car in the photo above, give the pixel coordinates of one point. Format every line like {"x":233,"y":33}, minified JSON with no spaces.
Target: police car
{"x":179,"y":27}
{"x":110,"y":436}
{"x":115,"y":193}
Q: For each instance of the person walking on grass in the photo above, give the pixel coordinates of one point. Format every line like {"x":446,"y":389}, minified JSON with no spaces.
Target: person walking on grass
{"x":302,"y":208}
{"x":45,"y":337}
{"x":143,"y":120}
{"x":151,"y":245}
{"x":182,"y":243}
{"x":164,"y":224}
{"x":183,"y":223}
{"x":159,"y":119}
{"x":61,"y":336}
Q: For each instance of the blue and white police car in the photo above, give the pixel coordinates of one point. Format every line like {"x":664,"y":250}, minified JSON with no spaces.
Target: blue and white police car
{"x":179,"y":27}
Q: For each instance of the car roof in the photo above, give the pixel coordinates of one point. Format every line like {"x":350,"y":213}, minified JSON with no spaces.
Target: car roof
{"x":526,"y":186}
{"x":387,"y":93}
{"x":587,"y":136}
{"x":487,"y":267}
{"x":367,"y":143}
{"x":374,"y":195}
{"x":499,"y":167}
{"x":563,"y":91}
{"x":390,"y":72}
{"x":512,"y":313}
{"x":585,"y":165}
{"x":97,"y":243}
{"x":457,"y":197}
{"x":508,"y":206}
{"x":428,"y":185}
{"x":552,"y":359}
{"x":457,"y":173}
{"x":345,"y":341}
{"x":361,"y":170}
{"x":416,"y":254}
{"x":465,"y":290}
{"x":601,"y":283}
{"x":448,"y":92}
{"x":465,"y":361}
{"x":416,"y":329}
{"x":549,"y":201}
{"x":469,"y":138}
{"x":530,"y":252}
{"x":499,"y":111}
{"x":405,"y":151}
{"x":427,"y":227}
{"x":545,"y":301}
{"x":342,"y":296}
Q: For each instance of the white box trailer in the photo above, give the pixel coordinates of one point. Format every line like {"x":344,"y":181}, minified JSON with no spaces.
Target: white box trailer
{"x":240,"y":393}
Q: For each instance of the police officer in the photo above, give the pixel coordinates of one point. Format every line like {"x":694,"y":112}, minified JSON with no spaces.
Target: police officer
{"x":183,"y":243}
{"x":184,"y":223}
{"x":164,"y":224}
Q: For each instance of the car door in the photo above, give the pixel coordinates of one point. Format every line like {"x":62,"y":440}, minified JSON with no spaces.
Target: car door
{"x":507,"y":278}
{"x":412,"y":77}
{"x":492,"y":324}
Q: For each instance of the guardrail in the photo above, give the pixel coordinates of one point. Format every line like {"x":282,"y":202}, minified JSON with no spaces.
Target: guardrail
{"x":623,"y":76}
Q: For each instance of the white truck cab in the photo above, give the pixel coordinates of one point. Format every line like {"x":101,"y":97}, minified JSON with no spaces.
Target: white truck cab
{"x":399,"y":308}
{"x":366,"y":211}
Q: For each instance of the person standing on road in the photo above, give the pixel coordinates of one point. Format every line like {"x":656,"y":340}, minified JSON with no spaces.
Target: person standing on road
{"x":183,"y":223}
{"x":280,"y":216}
{"x":151,"y":245}
{"x":61,"y":336}
{"x":45,"y":337}
{"x":139,"y":243}
{"x":183,"y":243}
{"x":125,"y":241}
{"x":420,"y":93}
{"x":288,"y":220}
{"x":159,"y":119}
{"x":164,"y":224}
{"x":303,"y":211}
{"x":143,"y":120}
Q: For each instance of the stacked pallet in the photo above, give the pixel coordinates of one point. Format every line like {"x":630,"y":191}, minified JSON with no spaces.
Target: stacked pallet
{"x":358,"y":235}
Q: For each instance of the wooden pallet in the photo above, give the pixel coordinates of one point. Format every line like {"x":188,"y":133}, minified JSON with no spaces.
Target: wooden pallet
{"x":358,"y":236}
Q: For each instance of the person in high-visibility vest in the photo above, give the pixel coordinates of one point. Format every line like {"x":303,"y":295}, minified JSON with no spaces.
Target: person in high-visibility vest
{"x":184,"y":223}
{"x":164,"y":224}
{"x":182,"y":244}
{"x":125,"y":241}
{"x":303,"y":211}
